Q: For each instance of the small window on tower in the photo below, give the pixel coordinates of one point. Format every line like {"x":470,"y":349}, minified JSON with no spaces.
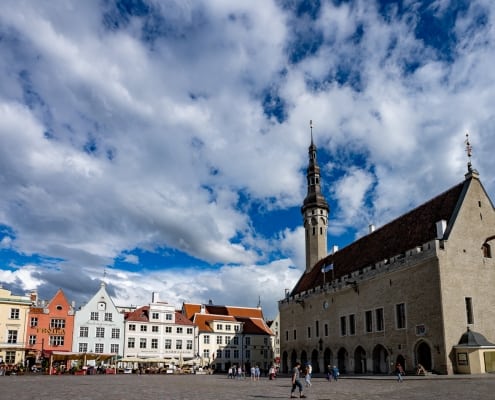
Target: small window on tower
{"x":487,"y":250}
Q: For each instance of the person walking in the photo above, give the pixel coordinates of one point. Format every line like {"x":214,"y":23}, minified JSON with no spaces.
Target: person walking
{"x":335,"y":373}
{"x":307,"y":378}
{"x":399,"y":371}
{"x":296,"y":373}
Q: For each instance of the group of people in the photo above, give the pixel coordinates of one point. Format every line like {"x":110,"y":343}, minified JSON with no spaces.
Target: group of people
{"x":333,"y":373}
{"x":235,"y":372}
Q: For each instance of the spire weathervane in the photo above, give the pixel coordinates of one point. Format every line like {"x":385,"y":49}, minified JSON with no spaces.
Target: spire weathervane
{"x":311,"y":128}
{"x":469,"y":151}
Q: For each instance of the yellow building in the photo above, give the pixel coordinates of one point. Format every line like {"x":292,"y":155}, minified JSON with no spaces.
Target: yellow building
{"x":14,"y":312}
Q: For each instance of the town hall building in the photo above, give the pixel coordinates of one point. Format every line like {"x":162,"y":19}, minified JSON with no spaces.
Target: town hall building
{"x":418,"y":290}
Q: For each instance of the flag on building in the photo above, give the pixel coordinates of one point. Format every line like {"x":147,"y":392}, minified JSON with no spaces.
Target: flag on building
{"x":327,"y":268}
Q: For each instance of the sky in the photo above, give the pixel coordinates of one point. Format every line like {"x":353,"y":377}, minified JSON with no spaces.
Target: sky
{"x":162,"y":146}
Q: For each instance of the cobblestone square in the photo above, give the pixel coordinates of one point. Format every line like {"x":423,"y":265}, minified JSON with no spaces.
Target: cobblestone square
{"x":196,"y":387}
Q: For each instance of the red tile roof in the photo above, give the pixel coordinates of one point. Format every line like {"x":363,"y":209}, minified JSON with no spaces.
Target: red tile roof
{"x":140,"y":314}
{"x":251,"y":317}
{"x":404,"y":233}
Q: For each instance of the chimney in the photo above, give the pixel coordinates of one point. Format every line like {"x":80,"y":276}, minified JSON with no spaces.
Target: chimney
{"x":155,"y":297}
{"x":202,"y":309}
{"x":441,"y":227}
{"x":34,"y":297}
{"x":371,"y":228}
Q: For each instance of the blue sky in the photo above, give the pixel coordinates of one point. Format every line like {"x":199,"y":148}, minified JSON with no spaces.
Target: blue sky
{"x":163,"y":144}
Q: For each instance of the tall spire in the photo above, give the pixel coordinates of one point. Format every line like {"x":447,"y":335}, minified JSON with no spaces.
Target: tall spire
{"x":314,"y":210}
{"x":469,"y":152}
{"x":471,"y":173}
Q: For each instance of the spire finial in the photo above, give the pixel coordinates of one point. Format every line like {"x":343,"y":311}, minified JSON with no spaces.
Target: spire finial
{"x":311,"y":128}
{"x":469,"y":152}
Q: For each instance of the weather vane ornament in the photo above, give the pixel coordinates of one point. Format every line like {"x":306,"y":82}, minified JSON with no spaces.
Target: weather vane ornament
{"x":469,"y":151}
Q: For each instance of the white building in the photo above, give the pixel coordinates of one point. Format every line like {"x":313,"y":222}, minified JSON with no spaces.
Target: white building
{"x":274,"y":325}
{"x":159,"y":332}
{"x":99,"y":326}
{"x":231,"y":336}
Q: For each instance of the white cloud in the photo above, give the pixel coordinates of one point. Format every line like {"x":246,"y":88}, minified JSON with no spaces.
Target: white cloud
{"x":110,"y":143}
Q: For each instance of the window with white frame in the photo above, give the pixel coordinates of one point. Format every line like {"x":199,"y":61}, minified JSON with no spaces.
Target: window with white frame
{"x":131,"y":342}
{"x":219,"y":353}
{"x":154,"y":329}
{"x":144,"y":328}
{"x":227,"y":340}
{"x":178,"y":344}
{"x":206,"y":353}
{"x":206,"y":339}
{"x":219,"y":327}
{"x":236,"y":340}
{"x":108,"y":316}
{"x":100,"y":332}
{"x":189,"y":331}
{"x":14,"y":313}
{"x":154,"y":343}
{"x":10,"y":357}
{"x":34,"y":321}
{"x":56,"y":340}
{"x":155,"y":315}
{"x":168,"y":317}
{"x":168,"y":329}
{"x":132,"y":327}
{"x":99,"y":347}
{"x":142,"y":343}
{"x":114,"y":348}
{"x":57,"y":323}
{"x":228,"y":327}
{"x":83,"y":347}
{"x":179,"y":329}
{"x":189,"y":344}
{"x":219,"y":340}
{"x":12,"y":336}
{"x":168,"y":344}
{"x":115,"y":333}
{"x":94,"y":316}
{"x":83,"y":331}
{"x":32,"y":339}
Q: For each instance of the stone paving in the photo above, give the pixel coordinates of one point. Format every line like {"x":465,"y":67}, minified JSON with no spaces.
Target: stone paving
{"x":195,"y":387}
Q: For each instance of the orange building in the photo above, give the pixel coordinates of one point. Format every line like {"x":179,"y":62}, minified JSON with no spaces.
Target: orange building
{"x":50,"y":327}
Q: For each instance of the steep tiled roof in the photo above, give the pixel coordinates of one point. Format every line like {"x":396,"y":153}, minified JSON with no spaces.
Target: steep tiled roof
{"x":404,"y":233}
{"x":203,"y":321}
{"x":140,"y":314}
{"x":190,"y":309}
{"x":251,"y":317}
{"x":181,"y":319}
{"x":255,"y":326}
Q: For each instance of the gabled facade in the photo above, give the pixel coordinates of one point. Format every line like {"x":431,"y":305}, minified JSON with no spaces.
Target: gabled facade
{"x":50,"y":327}
{"x":274,"y":325}
{"x":230,"y":336}
{"x":159,"y":332}
{"x":403,"y":293}
{"x":14,"y":310}
{"x":99,"y":326}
